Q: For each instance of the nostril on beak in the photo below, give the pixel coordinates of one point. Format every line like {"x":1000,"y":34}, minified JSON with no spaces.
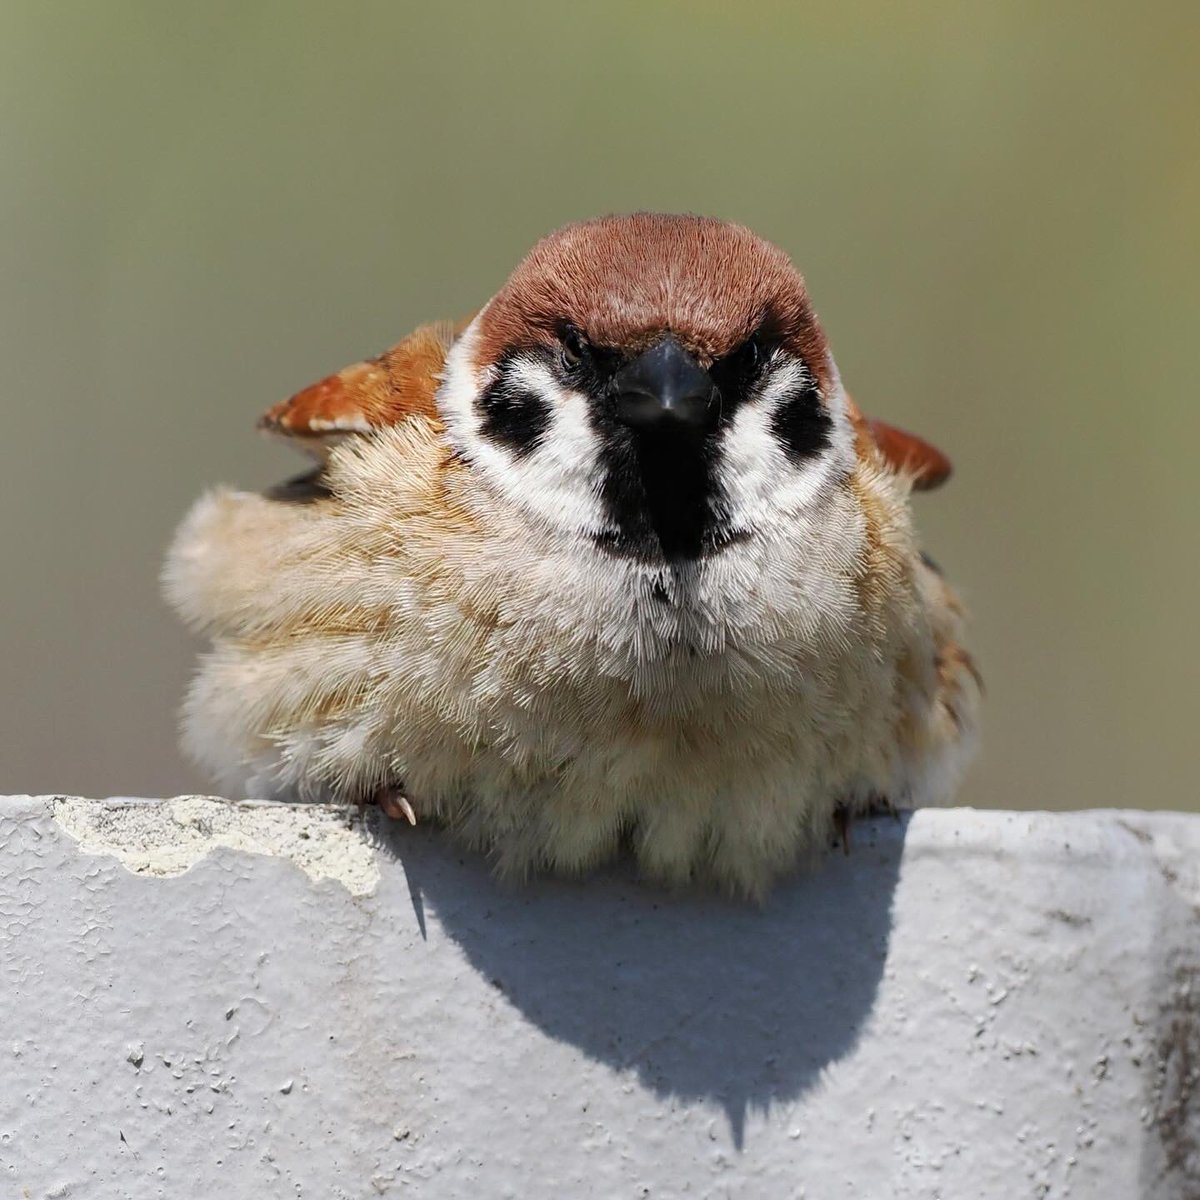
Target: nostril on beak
{"x":665,"y":388}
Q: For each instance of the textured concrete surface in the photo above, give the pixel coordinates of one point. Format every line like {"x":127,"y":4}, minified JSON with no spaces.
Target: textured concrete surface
{"x":204,"y":999}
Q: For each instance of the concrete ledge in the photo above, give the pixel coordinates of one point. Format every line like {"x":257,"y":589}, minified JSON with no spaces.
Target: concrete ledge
{"x":207,"y":999}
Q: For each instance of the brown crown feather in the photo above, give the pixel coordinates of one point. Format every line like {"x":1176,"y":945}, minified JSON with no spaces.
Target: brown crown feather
{"x":623,"y":280}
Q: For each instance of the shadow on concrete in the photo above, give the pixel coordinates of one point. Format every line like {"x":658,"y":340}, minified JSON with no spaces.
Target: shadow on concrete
{"x":701,"y":997}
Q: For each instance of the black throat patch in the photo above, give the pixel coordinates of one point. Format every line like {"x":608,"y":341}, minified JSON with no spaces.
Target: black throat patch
{"x":661,"y":494}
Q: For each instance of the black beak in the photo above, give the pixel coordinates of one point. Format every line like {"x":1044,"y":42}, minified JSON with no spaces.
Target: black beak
{"x":665,"y":389}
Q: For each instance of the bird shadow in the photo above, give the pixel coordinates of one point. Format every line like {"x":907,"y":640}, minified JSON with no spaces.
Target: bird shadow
{"x":703,"y":998}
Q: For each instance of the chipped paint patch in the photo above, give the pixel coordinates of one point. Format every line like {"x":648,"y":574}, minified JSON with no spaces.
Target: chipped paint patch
{"x":167,"y":837}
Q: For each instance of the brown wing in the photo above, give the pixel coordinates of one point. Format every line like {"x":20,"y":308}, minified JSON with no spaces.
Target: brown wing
{"x":924,"y":463}
{"x":399,"y":384}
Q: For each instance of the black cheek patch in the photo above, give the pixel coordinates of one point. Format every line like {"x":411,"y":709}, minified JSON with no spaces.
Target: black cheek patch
{"x":802,"y":425}
{"x":513,"y":415}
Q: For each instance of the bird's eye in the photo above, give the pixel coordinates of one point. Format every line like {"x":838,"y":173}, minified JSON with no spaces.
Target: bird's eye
{"x":749,"y":354}
{"x":574,"y":346}
{"x":741,"y":370}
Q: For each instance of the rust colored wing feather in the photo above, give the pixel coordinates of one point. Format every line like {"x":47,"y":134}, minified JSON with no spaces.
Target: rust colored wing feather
{"x":398,"y":384}
{"x":927,"y":466}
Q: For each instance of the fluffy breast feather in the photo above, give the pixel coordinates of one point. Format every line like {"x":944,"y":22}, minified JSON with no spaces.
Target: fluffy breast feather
{"x":541,"y":696}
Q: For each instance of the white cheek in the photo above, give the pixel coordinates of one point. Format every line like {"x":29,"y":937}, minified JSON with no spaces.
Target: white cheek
{"x":759,"y":479}
{"x":461,"y":383}
{"x":558,"y":481}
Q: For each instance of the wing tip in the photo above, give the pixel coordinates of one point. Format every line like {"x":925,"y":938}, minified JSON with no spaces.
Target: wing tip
{"x":926,"y":465}
{"x":341,"y":403}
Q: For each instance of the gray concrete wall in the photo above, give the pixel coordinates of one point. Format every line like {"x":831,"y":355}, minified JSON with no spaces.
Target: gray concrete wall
{"x":202,"y":999}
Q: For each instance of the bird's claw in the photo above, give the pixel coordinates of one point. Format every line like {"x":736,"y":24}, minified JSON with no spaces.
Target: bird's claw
{"x":842,"y":819}
{"x":395,"y":804}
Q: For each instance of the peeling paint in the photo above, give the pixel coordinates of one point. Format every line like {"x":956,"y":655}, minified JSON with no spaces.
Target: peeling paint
{"x":166,"y":838}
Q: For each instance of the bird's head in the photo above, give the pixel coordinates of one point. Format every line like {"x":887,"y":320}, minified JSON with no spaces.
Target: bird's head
{"x":658,"y":384}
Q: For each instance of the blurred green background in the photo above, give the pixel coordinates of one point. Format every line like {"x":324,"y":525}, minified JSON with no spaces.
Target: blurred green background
{"x":205,"y":207}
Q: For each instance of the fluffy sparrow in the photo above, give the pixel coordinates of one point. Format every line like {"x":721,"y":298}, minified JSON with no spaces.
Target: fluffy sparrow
{"x":617,"y":561}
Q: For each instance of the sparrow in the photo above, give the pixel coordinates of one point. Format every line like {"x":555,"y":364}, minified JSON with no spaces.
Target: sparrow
{"x":616,"y":563}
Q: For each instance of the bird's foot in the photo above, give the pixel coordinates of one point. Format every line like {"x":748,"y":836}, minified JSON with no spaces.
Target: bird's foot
{"x":395,"y":804}
{"x":842,"y":819}
{"x":843,"y":816}
{"x":392,"y":802}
